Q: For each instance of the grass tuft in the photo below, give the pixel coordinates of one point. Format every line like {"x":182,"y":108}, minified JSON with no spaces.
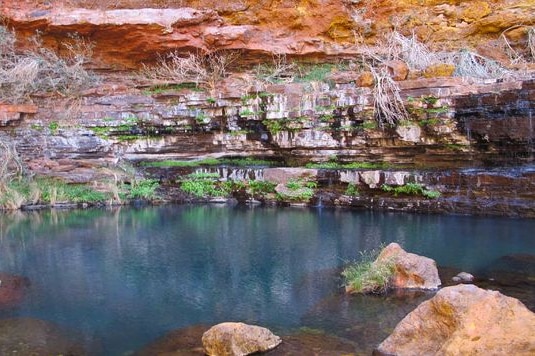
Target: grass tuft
{"x":367,"y":276}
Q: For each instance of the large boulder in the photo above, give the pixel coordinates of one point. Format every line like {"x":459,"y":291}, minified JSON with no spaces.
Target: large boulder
{"x":410,"y":270}
{"x":233,"y":339}
{"x":464,"y":320}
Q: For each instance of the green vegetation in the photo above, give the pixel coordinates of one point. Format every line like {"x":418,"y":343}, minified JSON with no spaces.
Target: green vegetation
{"x":247,"y":112}
{"x":142,"y":189}
{"x":352,"y":190}
{"x":122,"y":132}
{"x":411,"y":189}
{"x":277,"y":125}
{"x":240,"y":162}
{"x":47,"y":191}
{"x":160,"y":89}
{"x":298,"y":190}
{"x":201,"y":118}
{"x":369,"y":125}
{"x":428,"y":122}
{"x":260,"y":187}
{"x":24,"y":191}
{"x":172,"y":163}
{"x":53,"y":127}
{"x":340,"y":165}
{"x":314,"y":73}
{"x":203,"y":185}
{"x":367,"y":276}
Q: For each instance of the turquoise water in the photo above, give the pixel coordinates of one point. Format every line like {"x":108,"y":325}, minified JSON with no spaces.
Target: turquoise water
{"x":124,"y":277}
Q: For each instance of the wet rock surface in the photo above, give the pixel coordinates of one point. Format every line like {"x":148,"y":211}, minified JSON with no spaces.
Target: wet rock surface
{"x":25,"y":336}
{"x":184,"y":342}
{"x":363,"y":320}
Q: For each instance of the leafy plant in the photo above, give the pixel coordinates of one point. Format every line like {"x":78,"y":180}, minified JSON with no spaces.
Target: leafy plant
{"x":298,"y":189}
{"x":352,"y":190}
{"x":53,"y":127}
{"x":143,"y":189}
{"x":411,"y":189}
{"x":202,"y":185}
{"x":260,"y":187}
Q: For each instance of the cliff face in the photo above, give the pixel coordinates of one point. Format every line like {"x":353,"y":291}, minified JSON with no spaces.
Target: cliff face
{"x":451,"y":124}
{"x":126,"y":33}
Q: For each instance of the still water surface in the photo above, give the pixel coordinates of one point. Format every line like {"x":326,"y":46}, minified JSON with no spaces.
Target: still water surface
{"x":124,"y":277}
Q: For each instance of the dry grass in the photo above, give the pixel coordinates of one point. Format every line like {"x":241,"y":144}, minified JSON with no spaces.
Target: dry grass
{"x":11,"y":168}
{"x":42,"y":70}
{"x":205,"y":70}
{"x":470,"y":64}
{"x":387,"y":103}
{"x":411,"y":51}
{"x":520,"y":54}
{"x":279,"y":71}
{"x":10,"y":162}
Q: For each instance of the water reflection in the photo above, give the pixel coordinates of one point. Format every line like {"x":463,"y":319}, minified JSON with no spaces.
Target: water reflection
{"x":124,"y":277}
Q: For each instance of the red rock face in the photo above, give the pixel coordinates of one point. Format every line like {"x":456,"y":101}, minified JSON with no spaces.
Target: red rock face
{"x":126,"y":33}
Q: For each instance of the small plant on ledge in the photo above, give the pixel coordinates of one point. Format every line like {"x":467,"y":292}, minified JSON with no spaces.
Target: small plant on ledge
{"x":297,"y":190}
{"x":411,"y":189}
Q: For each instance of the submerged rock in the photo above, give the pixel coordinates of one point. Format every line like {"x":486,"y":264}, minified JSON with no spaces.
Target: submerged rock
{"x":12,"y":289}
{"x":238,"y":339}
{"x":314,"y":342}
{"x":186,"y":341}
{"x":464,"y":320}
{"x":26,"y":336}
{"x":410,"y":270}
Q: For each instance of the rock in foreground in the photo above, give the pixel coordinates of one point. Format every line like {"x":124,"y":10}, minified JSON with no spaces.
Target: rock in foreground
{"x":410,"y":270}
{"x":464,"y":320}
{"x":235,"y":339}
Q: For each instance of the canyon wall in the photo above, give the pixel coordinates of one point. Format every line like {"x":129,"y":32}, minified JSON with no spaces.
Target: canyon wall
{"x":127,"y":33}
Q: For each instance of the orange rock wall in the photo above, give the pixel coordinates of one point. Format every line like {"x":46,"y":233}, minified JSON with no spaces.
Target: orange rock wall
{"x":305,"y":28}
